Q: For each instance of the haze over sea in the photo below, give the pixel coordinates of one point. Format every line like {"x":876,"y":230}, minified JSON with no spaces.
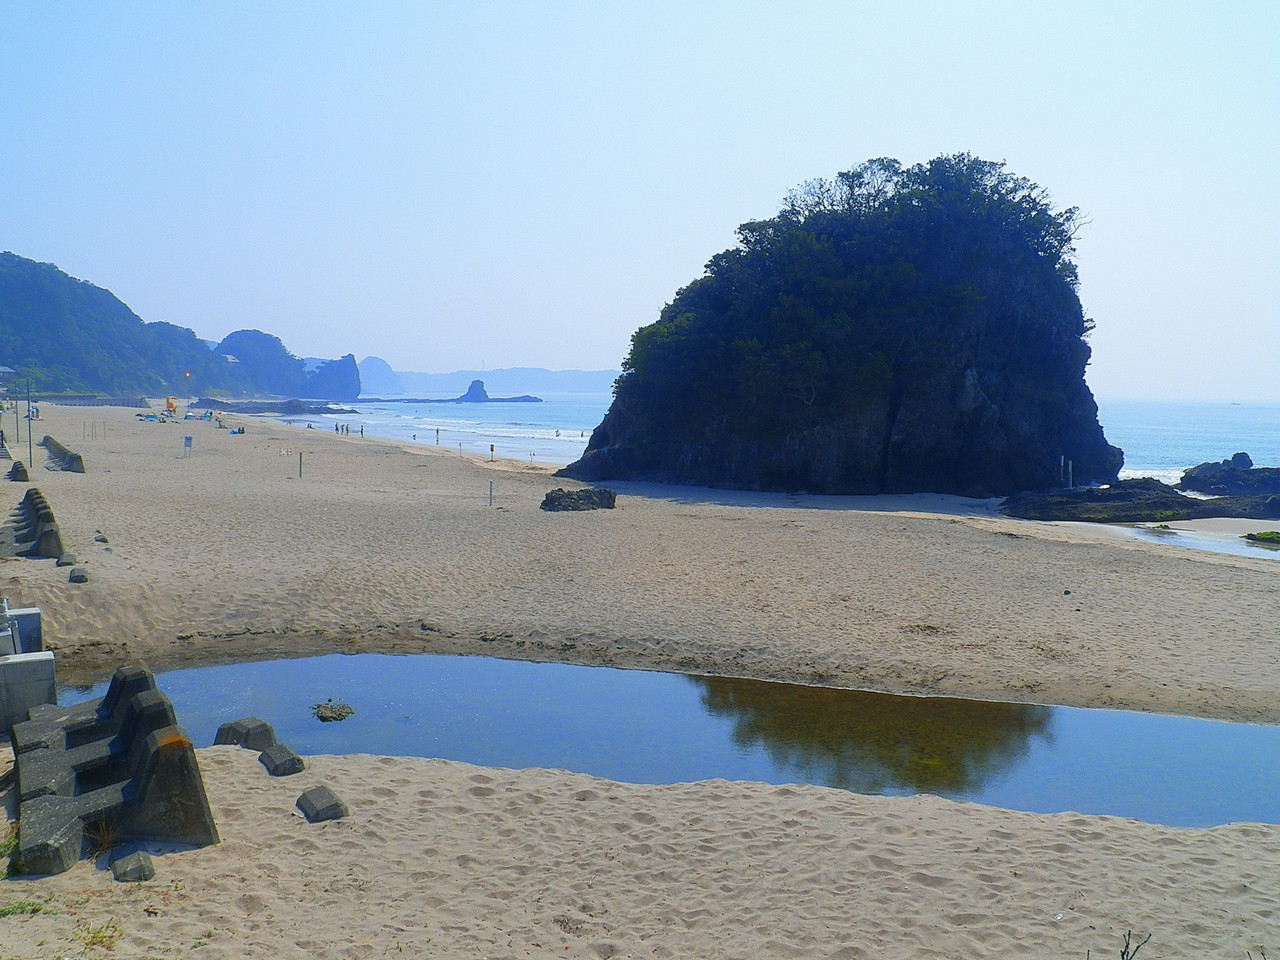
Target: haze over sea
{"x":1160,"y":438}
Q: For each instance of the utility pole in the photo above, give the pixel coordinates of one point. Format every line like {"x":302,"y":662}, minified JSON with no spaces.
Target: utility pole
{"x":30,"y":455}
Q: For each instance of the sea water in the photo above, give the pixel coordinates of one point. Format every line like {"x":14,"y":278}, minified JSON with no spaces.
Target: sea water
{"x":554,"y":431}
{"x":645,"y":727}
{"x":1160,"y":438}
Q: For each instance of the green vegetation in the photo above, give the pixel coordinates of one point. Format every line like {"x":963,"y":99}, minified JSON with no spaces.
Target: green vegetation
{"x":65,"y":335}
{"x":102,"y":937}
{"x":893,"y":328}
{"x":847,"y":294}
{"x":21,"y":908}
{"x":1264,"y":536}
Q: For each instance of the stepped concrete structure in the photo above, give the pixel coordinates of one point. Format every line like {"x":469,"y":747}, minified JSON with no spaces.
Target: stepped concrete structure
{"x":97,"y":774}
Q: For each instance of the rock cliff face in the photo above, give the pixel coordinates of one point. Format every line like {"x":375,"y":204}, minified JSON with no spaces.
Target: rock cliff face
{"x":904,"y":338}
{"x":945,"y":437}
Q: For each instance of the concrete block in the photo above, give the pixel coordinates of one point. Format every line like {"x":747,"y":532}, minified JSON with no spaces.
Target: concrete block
{"x":280,"y":761}
{"x":321,"y":803}
{"x":29,"y":628}
{"x":26,"y":681}
{"x":114,"y":769}
{"x":131,"y":865}
{"x":249,"y":732}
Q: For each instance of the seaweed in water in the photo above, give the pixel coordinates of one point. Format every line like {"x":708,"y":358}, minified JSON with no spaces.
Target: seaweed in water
{"x":330,"y":711}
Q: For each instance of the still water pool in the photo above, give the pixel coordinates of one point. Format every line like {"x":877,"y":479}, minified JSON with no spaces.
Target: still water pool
{"x":644,"y":727}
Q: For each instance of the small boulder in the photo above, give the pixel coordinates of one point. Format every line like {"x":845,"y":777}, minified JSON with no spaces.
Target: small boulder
{"x":66,"y":560}
{"x":591,"y":498}
{"x":78,"y":575}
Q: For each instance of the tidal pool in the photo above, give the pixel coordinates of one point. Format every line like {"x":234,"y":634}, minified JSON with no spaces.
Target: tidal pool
{"x":644,"y":727}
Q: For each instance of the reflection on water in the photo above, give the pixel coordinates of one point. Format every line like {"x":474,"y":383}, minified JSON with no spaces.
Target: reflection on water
{"x":643,"y":727}
{"x":871,"y":743}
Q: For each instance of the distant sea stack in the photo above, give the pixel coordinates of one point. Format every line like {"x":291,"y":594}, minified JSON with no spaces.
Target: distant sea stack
{"x":895,"y":330}
{"x":477,"y":394}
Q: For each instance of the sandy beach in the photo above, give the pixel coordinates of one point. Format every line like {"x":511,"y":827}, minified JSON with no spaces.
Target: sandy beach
{"x":242,"y":550}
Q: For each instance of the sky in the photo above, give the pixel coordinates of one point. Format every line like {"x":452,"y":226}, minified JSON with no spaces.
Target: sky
{"x":484,"y":184}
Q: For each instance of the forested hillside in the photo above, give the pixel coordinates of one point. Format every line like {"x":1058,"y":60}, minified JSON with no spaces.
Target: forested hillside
{"x":67,"y":335}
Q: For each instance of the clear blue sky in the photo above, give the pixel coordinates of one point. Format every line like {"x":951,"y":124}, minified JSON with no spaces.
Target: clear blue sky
{"x":463,"y":184}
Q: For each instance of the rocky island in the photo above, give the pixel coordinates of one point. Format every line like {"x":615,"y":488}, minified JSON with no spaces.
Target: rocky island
{"x":895,"y":330}
{"x":1233,"y":477}
{"x":476,"y":393}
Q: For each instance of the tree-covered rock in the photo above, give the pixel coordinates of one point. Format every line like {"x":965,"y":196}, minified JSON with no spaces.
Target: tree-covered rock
{"x":891,"y":330}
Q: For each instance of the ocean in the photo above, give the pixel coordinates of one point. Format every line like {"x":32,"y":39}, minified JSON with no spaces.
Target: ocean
{"x":1160,"y":438}
{"x":555,"y":431}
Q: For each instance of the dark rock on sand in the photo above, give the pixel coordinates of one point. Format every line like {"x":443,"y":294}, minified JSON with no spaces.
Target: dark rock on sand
{"x":590,"y":499}
{"x":1142,"y":500}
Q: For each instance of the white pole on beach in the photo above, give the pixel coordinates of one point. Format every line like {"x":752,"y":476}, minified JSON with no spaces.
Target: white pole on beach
{"x":30,"y":424}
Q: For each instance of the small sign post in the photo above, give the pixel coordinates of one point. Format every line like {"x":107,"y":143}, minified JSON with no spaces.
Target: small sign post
{"x":186,"y":446}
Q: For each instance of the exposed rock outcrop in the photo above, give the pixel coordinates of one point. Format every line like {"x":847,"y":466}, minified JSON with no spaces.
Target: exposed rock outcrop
{"x":594,"y":499}
{"x":1233,"y":477}
{"x":1143,"y":500}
